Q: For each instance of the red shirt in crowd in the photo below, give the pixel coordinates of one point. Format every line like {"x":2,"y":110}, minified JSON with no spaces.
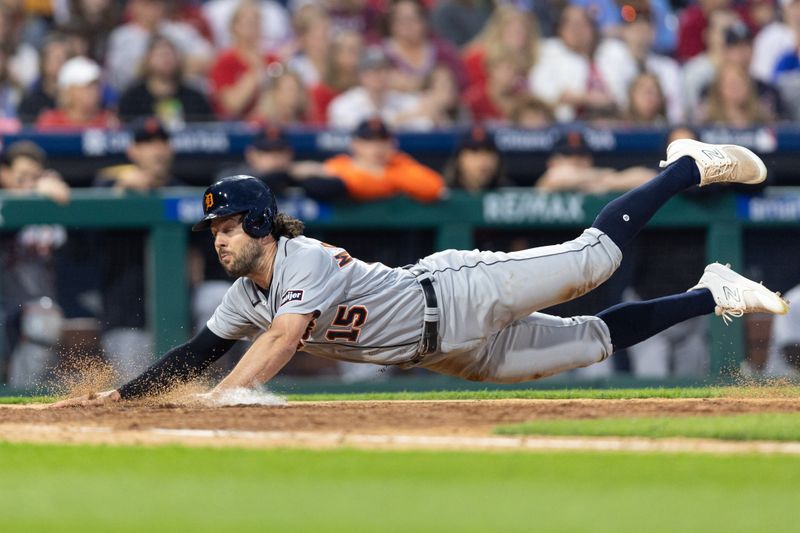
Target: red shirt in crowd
{"x":475,"y":66}
{"x":57,"y":119}
{"x":692,"y":26}
{"x":480,"y":104}
{"x":226,"y":71}
{"x":321,"y":97}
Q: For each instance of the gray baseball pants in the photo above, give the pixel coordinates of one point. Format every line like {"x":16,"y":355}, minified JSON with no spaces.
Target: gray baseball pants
{"x":489,"y":327}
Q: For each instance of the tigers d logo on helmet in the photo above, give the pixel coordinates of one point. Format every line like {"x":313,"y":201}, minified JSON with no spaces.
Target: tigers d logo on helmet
{"x":209,"y":201}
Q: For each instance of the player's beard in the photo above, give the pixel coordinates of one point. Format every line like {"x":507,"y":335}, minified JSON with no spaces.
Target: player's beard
{"x":246,"y":261}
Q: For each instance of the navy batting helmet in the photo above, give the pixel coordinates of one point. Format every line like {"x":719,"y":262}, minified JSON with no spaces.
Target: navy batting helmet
{"x":240,"y":195}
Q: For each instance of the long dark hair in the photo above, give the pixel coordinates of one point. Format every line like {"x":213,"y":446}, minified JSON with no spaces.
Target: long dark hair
{"x":287,"y":226}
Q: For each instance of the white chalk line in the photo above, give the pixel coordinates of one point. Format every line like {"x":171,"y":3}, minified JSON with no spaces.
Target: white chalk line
{"x":313,"y":439}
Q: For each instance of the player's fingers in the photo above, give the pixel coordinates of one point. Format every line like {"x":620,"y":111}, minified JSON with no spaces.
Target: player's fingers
{"x":72,"y":402}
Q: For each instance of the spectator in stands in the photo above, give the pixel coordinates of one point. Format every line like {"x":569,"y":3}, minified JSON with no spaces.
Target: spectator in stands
{"x":621,"y":61}
{"x":533,"y":113}
{"x":762,"y":13}
{"x":477,"y":164}
{"x":270,"y":157}
{"x":611,"y":16}
{"x":646,"y":103}
{"x":700,"y":71}
{"x":10,"y":95}
{"x":509,"y":30}
{"x":738,"y":51}
{"x":437,"y":106}
{"x":240,"y":72}
{"x":161,"y":91}
{"x":126,"y":339}
{"x":365,"y":17}
{"x":32,"y":320}
{"x":786,"y":74}
{"x":94,"y":20}
{"x":693,"y":23}
{"x":733,"y":100}
{"x":191,"y":12}
{"x":412,"y":51}
{"x":376,"y":169}
{"x":496,"y":99}
{"x":24,"y":170}
{"x":29,"y":28}
{"x":42,"y":94}
{"x":571,"y":168}
{"x":774,"y":40}
{"x":79,"y":99}
{"x":275,"y":26}
{"x":128,"y":43}
{"x":77,"y":41}
{"x":151,"y":157}
{"x":339,"y":75}
{"x":440,"y":100}
{"x":567,"y":75}
{"x":371,"y":97}
{"x":283,"y":101}
{"x":312,"y":28}
{"x":459,"y":21}
{"x":23,"y":58}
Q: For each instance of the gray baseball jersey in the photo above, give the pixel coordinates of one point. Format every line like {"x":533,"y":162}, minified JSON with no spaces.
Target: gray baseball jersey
{"x":489,"y":327}
{"x":365,"y":312}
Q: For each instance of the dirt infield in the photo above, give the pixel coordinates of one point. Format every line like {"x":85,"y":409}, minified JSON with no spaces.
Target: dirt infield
{"x":383,"y":424}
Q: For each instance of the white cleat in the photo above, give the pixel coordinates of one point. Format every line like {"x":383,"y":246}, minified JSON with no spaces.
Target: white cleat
{"x":719,"y":163}
{"x":736,"y":295}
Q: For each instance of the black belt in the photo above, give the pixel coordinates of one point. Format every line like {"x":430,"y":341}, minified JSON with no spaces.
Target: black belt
{"x":430,"y":325}
{"x":430,"y":328}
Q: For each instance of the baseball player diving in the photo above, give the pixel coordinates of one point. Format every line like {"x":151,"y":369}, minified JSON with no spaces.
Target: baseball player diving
{"x":471,"y":314}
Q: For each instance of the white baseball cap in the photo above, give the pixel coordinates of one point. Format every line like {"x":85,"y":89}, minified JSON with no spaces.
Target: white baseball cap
{"x":78,"y":71}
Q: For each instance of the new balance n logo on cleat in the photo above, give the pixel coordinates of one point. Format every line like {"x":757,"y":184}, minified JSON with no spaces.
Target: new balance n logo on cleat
{"x":714,"y":154}
{"x":731,"y":294}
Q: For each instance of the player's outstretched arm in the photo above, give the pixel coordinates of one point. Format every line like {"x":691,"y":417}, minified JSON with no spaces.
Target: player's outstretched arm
{"x":268,"y":354}
{"x":179,"y":365}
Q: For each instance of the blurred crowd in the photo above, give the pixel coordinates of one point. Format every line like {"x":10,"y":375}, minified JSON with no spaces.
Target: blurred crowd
{"x":370,"y":68}
{"x":419,"y":64}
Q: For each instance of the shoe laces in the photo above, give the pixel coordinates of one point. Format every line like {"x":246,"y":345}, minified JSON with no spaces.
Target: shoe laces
{"x":718,"y":171}
{"x":728,"y":313}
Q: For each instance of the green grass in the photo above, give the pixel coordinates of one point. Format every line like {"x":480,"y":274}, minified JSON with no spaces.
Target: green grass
{"x":562,"y":394}
{"x":765,"y":426}
{"x":63,"y":488}
{"x":24,"y":399}
{"x":533,"y":394}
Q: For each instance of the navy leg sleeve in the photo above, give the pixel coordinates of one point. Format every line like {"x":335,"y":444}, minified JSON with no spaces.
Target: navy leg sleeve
{"x":631,"y":323}
{"x":624,"y":217}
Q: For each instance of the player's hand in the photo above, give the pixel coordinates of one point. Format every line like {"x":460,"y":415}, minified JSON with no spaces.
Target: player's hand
{"x":89,"y":400}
